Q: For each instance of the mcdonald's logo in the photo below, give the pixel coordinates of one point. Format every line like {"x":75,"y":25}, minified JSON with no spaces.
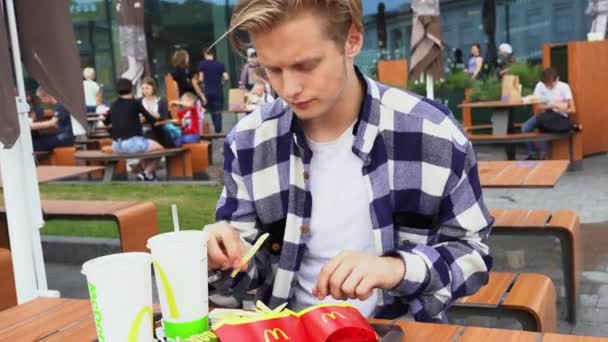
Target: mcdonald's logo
{"x":275,"y":334}
{"x":331,"y":315}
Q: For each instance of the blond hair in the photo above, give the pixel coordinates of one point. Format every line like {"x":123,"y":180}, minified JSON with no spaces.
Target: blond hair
{"x":252,"y":16}
{"x":180,"y":58}
{"x":88,"y":73}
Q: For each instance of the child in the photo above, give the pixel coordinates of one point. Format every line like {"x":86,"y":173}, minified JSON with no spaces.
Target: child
{"x":92,"y":90}
{"x":190,"y":118}
{"x":261,"y":93}
{"x":127,"y":132}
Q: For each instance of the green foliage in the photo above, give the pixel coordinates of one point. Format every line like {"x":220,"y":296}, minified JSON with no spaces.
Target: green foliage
{"x":488,"y":90}
{"x":456,"y":81}
{"x":528,"y":76}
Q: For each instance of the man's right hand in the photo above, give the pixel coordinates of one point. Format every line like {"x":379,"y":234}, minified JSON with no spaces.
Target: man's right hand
{"x":225,"y":248}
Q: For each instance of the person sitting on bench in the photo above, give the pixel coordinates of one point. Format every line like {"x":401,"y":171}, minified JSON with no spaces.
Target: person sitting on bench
{"x":191,"y":116}
{"x":127,"y":132}
{"x":54,"y":132}
{"x":556,"y":97}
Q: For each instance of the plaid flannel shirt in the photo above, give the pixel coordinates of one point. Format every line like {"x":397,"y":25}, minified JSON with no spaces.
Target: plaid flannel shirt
{"x":426,"y":201}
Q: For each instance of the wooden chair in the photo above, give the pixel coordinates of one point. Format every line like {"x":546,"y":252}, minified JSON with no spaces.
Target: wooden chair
{"x":564,"y":225}
{"x":136,"y":221}
{"x":8,"y":294}
{"x":528,"y":298}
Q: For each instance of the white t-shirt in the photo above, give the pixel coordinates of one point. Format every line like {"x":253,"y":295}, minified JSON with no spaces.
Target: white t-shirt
{"x":90,"y":92}
{"x":340,"y":217}
{"x":559,"y":93}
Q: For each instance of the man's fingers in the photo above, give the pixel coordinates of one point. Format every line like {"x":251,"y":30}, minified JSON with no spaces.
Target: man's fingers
{"x":337,"y":279}
{"x":365,"y":288}
{"x":217,"y":258}
{"x":349,"y":286}
{"x":232,"y":245}
{"x":322,"y":289}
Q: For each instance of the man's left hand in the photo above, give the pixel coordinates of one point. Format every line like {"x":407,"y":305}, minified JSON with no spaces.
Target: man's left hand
{"x":354,"y":275}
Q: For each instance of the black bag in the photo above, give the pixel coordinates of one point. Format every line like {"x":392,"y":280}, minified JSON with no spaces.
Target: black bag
{"x":554,"y":122}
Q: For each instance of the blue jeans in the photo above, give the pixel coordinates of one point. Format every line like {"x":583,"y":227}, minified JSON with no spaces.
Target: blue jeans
{"x":188,"y":139}
{"x":135,"y":144}
{"x":216,"y":117}
{"x":530,"y":126}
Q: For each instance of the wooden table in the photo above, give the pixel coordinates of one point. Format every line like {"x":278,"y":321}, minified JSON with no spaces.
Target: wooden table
{"x":54,"y":173}
{"x":502,"y":117}
{"x":521,"y":174}
{"x":67,"y":320}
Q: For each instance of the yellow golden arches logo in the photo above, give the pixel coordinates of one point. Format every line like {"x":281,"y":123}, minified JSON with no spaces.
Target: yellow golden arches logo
{"x":275,"y":334}
{"x":135,"y":327}
{"x":331,"y":315}
{"x":173,"y":312}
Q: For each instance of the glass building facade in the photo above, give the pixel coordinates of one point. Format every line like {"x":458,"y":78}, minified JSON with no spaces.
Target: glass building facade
{"x":194,"y":24}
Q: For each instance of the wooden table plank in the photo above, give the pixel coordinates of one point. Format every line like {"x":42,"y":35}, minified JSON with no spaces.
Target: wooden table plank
{"x":547,"y":171}
{"x":47,"y":322}
{"x":29,"y":310}
{"x":475,"y":334}
{"x":497,"y":104}
{"x":491,"y":294}
{"x":572,"y":338}
{"x":49,"y":173}
{"x":425,"y":332}
{"x":521,"y":174}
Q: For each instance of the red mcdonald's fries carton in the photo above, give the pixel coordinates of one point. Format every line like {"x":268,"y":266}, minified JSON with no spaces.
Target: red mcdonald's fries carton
{"x":325,"y":323}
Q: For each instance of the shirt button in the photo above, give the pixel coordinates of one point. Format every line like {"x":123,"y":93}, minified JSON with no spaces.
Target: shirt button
{"x":276,"y":247}
{"x":304,"y":229}
{"x":306,"y":175}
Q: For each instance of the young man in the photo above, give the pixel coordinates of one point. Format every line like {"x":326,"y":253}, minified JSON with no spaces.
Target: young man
{"x":213,"y":75}
{"x":370,"y":194}
{"x":555,"y":96}
{"x":60,"y":125}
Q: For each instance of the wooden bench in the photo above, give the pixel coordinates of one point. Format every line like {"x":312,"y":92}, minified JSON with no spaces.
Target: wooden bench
{"x":136,"y":221}
{"x":111,"y":160}
{"x":58,"y":156}
{"x":8,"y":294}
{"x":528,"y":298}
{"x":564,"y":225}
{"x":211,"y":137}
{"x":519,"y":138}
{"x":197,"y":161}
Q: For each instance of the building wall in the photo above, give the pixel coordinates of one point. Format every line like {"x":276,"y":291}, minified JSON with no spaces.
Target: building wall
{"x":532,"y":23}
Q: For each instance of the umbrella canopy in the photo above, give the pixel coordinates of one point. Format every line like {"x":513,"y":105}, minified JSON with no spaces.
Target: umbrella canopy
{"x":9,"y":129}
{"x":427,"y":47}
{"x":132,"y":39}
{"x":50,"y":55}
{"x":488,"y":14}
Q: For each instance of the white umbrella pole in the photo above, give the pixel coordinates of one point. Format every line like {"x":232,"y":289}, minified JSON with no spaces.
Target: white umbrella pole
{"x":430,"y":90}
{"x":21,"y":193}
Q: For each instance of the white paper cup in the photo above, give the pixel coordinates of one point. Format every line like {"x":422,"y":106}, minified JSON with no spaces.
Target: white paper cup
{"x":180,"y":267}
{"x":120,"y":286}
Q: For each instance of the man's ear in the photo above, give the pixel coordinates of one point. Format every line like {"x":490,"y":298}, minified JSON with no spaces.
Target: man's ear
{"x":354,"y":42}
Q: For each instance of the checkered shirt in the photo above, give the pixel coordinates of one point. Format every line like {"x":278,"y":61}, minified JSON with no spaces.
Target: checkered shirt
{"x":426,"y":202}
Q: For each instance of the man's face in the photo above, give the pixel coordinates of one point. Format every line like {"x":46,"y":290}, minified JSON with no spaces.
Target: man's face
{"x":551,"y":85}
{"x":304,"y":66}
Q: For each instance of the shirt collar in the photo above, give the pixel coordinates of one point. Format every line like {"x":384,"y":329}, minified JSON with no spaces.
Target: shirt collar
{"x":366,"y":127}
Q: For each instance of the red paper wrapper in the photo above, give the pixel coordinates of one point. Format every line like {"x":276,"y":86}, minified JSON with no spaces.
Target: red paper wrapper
{"x":326,"y":323}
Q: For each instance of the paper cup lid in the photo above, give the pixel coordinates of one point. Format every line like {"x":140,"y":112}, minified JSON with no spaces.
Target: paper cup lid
{"x":185,"y":237}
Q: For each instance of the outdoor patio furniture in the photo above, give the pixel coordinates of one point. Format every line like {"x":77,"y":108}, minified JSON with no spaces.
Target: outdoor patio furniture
{"x":136,"y":221}
{"x":528,"y":298}
{"x":197,"y":158}
{"x":564,"y":225}
{"x":8,"y":294}
{"x":521,"y":174}
{"x":111,"y":160}
{"x":49,"y":173}
{"x":211,"y":137}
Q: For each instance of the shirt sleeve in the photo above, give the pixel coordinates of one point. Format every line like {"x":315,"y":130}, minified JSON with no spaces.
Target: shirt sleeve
{"x":457,"y":263}
{"x":143,"y":111}
{"x":567,"y":92}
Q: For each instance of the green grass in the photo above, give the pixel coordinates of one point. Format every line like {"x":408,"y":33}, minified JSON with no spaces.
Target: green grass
{"x":196,"y":205}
